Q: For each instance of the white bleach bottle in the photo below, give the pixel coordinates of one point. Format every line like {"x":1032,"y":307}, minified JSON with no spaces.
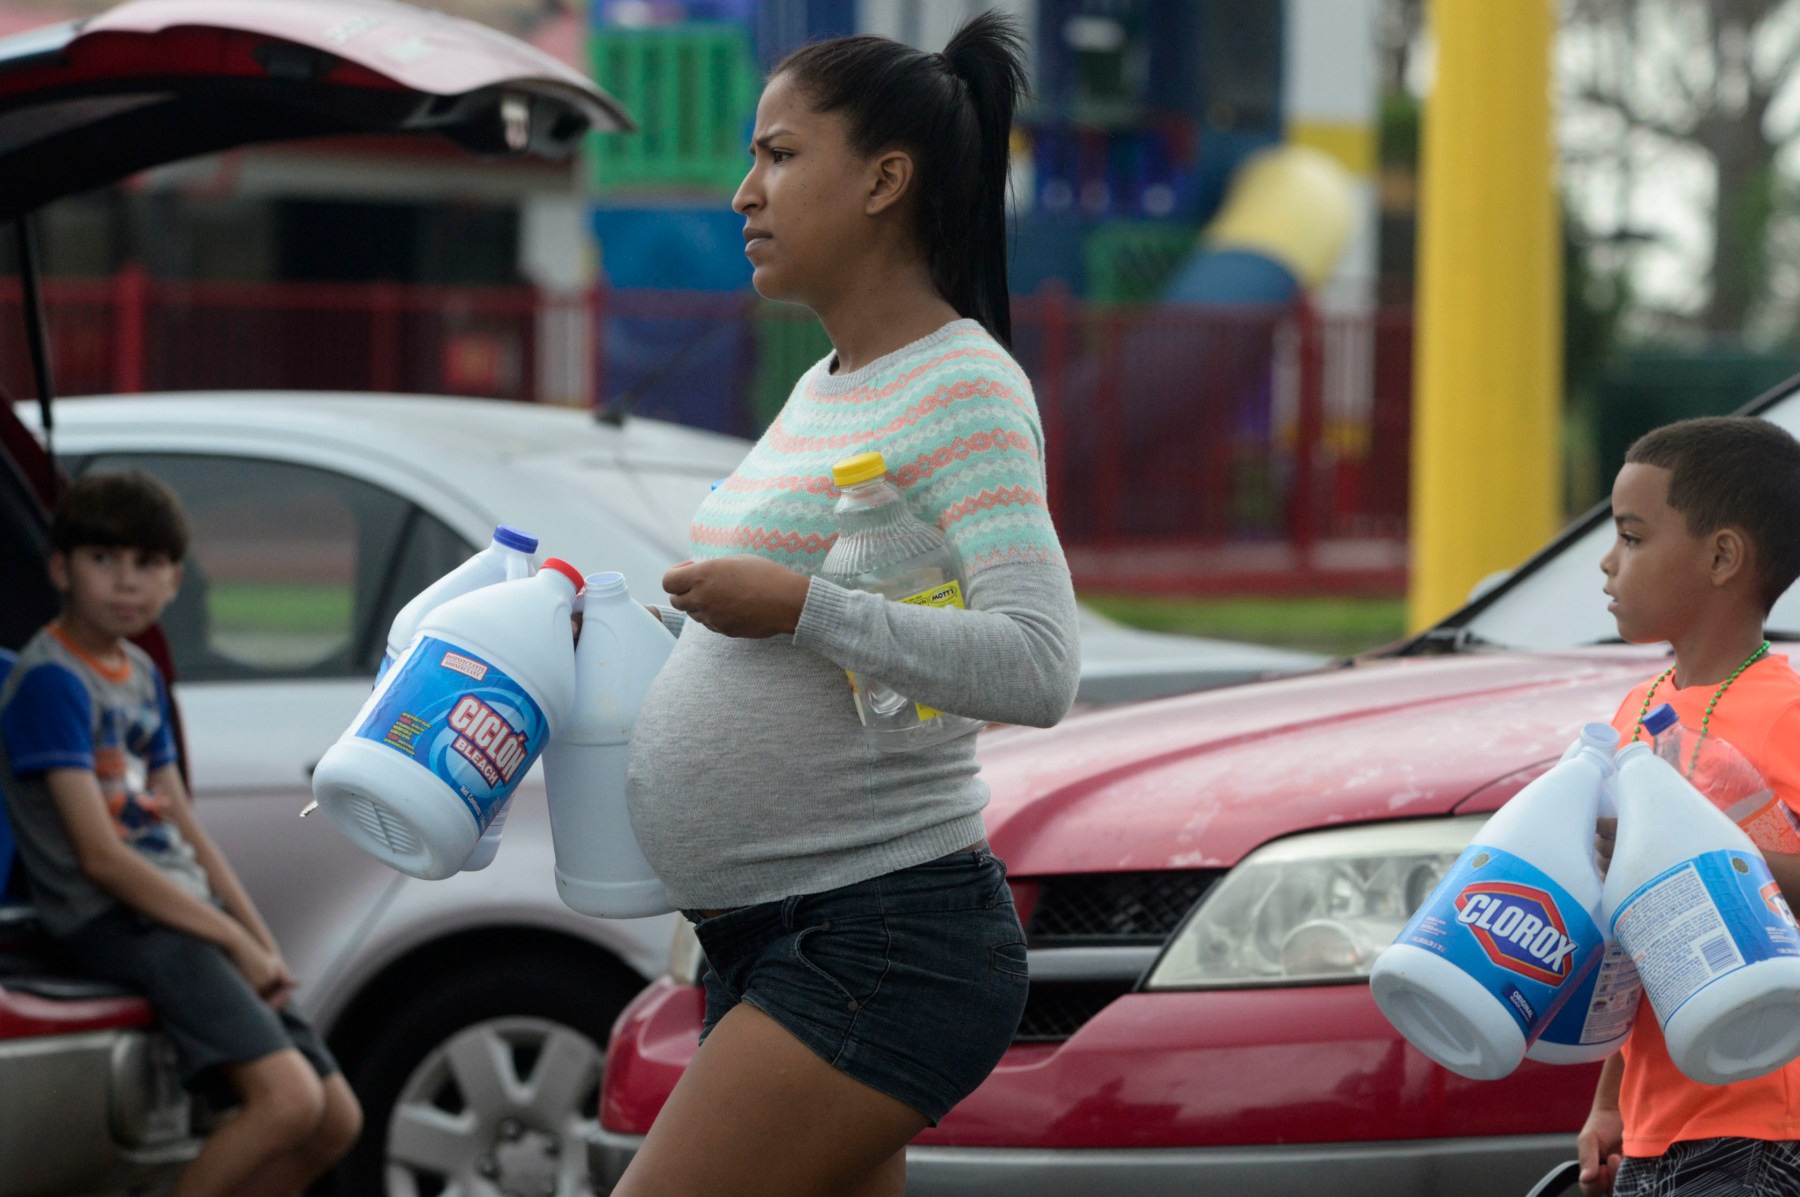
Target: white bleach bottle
{"x":600,"y":869}
{"x":1690,"y":898}
{"x":1509,"y":933}
{"x":1595,"y":1019}
{"x":507,"y":558}
{"x":452,"y":729}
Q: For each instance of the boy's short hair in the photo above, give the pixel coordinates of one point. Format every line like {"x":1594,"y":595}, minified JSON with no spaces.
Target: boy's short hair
{"x":128,"y":509}
{"x":1739,"y":472}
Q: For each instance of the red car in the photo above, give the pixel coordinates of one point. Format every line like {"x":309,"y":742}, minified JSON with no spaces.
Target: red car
{"x":1205,"y":883}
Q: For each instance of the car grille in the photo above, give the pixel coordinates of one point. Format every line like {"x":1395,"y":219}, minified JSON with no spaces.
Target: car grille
{"x":1135,"y":909}
{"x":1115,"y":923}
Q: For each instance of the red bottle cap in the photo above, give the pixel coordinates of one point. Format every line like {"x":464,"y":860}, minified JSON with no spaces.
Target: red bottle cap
{"x":565,"y":569}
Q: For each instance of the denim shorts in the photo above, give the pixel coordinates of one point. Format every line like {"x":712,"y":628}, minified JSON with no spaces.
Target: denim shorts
{"x":912,"y":982}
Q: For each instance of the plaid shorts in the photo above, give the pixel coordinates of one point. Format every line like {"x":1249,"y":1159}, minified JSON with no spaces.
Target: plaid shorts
{"x":1714,"y":1168}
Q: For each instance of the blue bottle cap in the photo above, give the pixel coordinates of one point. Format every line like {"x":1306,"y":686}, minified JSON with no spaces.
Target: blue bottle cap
{"x":1660,"y":720}
{"x":512,"y":538}
{"x":717,"y":484}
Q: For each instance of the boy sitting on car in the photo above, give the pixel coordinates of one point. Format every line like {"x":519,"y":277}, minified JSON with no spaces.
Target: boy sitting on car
{"x":121,"y":872}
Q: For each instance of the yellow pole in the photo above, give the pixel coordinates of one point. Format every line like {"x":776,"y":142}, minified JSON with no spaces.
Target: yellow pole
{"x":1486,"y":487}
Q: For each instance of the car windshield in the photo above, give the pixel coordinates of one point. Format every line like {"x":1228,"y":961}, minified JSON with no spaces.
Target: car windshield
{"x":1559,"y":604}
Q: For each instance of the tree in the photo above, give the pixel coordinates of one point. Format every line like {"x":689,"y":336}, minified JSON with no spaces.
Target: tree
{"x":1643,"y":79}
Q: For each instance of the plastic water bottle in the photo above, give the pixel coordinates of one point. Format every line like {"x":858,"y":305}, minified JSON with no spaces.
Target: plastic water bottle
{"x":600,"y":869}
{"x":1508,"y":934}
{"x":1594,"y":1020}
{"x":882,"y":547}
{"x":1714,"y":766}
{"x":454,"y":726}
{"x":1692,"y":901}
{"x":507,"y":558}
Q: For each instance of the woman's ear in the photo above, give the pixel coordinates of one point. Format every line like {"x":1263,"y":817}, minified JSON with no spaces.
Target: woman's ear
{"x":890,"y":180}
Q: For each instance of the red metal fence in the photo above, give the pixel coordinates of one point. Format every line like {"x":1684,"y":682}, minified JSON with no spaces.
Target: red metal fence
{"x":1191,"y":450}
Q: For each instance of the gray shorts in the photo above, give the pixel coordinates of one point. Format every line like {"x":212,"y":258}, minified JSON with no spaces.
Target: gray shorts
{"x":1714,"y":1168}
{"x":201,"y":1000}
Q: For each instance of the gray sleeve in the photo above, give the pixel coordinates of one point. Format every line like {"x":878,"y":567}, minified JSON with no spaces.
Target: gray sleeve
{"x":1011,"y":657}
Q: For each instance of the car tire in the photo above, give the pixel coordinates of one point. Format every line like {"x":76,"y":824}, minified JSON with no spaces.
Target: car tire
{"x":490,"y":1077}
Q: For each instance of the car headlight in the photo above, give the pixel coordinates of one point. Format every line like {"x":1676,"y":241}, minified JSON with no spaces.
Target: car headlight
{"x":685,"y":955}
{"x":1313,"y":907}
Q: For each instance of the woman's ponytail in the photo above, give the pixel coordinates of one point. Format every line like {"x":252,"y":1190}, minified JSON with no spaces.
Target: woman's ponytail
{"x":988,"y":56}
{"x":954,"y":112}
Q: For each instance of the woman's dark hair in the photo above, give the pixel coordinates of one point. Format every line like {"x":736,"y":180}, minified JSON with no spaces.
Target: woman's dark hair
{"x":953,"y":112}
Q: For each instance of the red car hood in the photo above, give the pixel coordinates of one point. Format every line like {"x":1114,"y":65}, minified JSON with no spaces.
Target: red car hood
{"x":1199,"y":781}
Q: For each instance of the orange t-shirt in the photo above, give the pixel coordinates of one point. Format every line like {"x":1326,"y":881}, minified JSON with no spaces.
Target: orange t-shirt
{"x":1760,"y":716}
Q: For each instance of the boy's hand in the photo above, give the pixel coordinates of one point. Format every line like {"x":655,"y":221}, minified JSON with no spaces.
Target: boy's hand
{"x":1606,"y":833}
{"x":747,"y":597}
{"x":264,"y":969}
{"x":1599,"y":1149}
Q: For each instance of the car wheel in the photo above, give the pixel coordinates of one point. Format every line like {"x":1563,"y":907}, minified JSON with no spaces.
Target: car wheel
{"x":485,"y":1084}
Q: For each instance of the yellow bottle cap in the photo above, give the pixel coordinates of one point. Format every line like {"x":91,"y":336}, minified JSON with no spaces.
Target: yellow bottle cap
{"x":864,"y":467}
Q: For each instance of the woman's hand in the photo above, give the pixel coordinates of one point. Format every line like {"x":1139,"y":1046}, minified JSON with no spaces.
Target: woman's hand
{"x":746,"y":597}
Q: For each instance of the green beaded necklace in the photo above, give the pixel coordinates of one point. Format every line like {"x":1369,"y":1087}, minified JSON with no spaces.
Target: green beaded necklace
{"x":1694,"y":760}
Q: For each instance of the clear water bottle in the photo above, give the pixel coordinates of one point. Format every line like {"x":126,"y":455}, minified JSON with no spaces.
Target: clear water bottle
{"x":507,"y":557}
{"x":1714,"y":766}
{"x":885,"y":549}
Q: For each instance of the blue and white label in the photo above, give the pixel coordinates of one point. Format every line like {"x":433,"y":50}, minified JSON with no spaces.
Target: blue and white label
{"x":1701,"y":920}
{"x":462,"y":718}
{"x":1508,"y":925}
{"x":1602,"y":1006}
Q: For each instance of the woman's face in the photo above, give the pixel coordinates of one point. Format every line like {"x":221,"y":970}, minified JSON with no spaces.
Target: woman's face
{"x":805,"y":202}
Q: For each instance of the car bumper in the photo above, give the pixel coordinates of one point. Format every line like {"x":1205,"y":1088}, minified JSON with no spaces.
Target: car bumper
{"x":1226,"y":1069}
{"x":89,"y":1112}
{"x":1503,"y":1166}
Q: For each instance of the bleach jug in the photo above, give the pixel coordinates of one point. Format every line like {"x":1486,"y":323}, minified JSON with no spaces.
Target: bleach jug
{"x":1595,"y":1019}
{"x":454,"y":726}
{"x":1509,"y":933}
{"x":884,"y":548}
{"x":507,"y":557}
{"x":600,"y":869}
{"x":1692,"y":901}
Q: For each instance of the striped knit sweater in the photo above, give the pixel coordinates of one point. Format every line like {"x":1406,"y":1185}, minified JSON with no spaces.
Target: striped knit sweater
{"x":750,"y":780}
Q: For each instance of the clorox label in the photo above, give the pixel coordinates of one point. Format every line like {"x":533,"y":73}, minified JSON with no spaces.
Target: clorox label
{"x":1702,"y":920}
{"x":1513,"y":929}
{"x":462,"y":718}
{"x":1519,"y":928}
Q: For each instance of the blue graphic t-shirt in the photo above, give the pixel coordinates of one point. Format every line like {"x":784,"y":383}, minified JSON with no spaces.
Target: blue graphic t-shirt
{"x":61,"y":709}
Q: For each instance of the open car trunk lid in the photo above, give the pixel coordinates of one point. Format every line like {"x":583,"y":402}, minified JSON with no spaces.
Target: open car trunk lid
{"x":85,"y":103}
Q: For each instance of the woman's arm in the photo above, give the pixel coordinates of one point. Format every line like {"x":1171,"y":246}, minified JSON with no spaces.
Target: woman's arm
{"x":1012,"y":657}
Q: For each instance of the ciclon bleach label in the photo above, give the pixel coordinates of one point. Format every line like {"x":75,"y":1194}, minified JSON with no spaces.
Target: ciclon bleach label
{"x":1513,"y":929}
{"x":451,"y":730}
{"x":469,"y":723}
{"x":1702,"y":920}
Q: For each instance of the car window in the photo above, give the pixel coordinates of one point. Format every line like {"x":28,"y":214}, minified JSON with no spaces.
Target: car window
{"x":1559,"y":604}
{"x":294,"y":571}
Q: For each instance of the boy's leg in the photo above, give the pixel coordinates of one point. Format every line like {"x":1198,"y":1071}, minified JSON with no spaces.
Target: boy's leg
{"x":336,"y":1132}
{"x":283,"y":1103}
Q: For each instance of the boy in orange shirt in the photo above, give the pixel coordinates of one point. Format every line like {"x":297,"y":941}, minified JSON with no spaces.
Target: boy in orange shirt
{"x":1708,"y":518}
